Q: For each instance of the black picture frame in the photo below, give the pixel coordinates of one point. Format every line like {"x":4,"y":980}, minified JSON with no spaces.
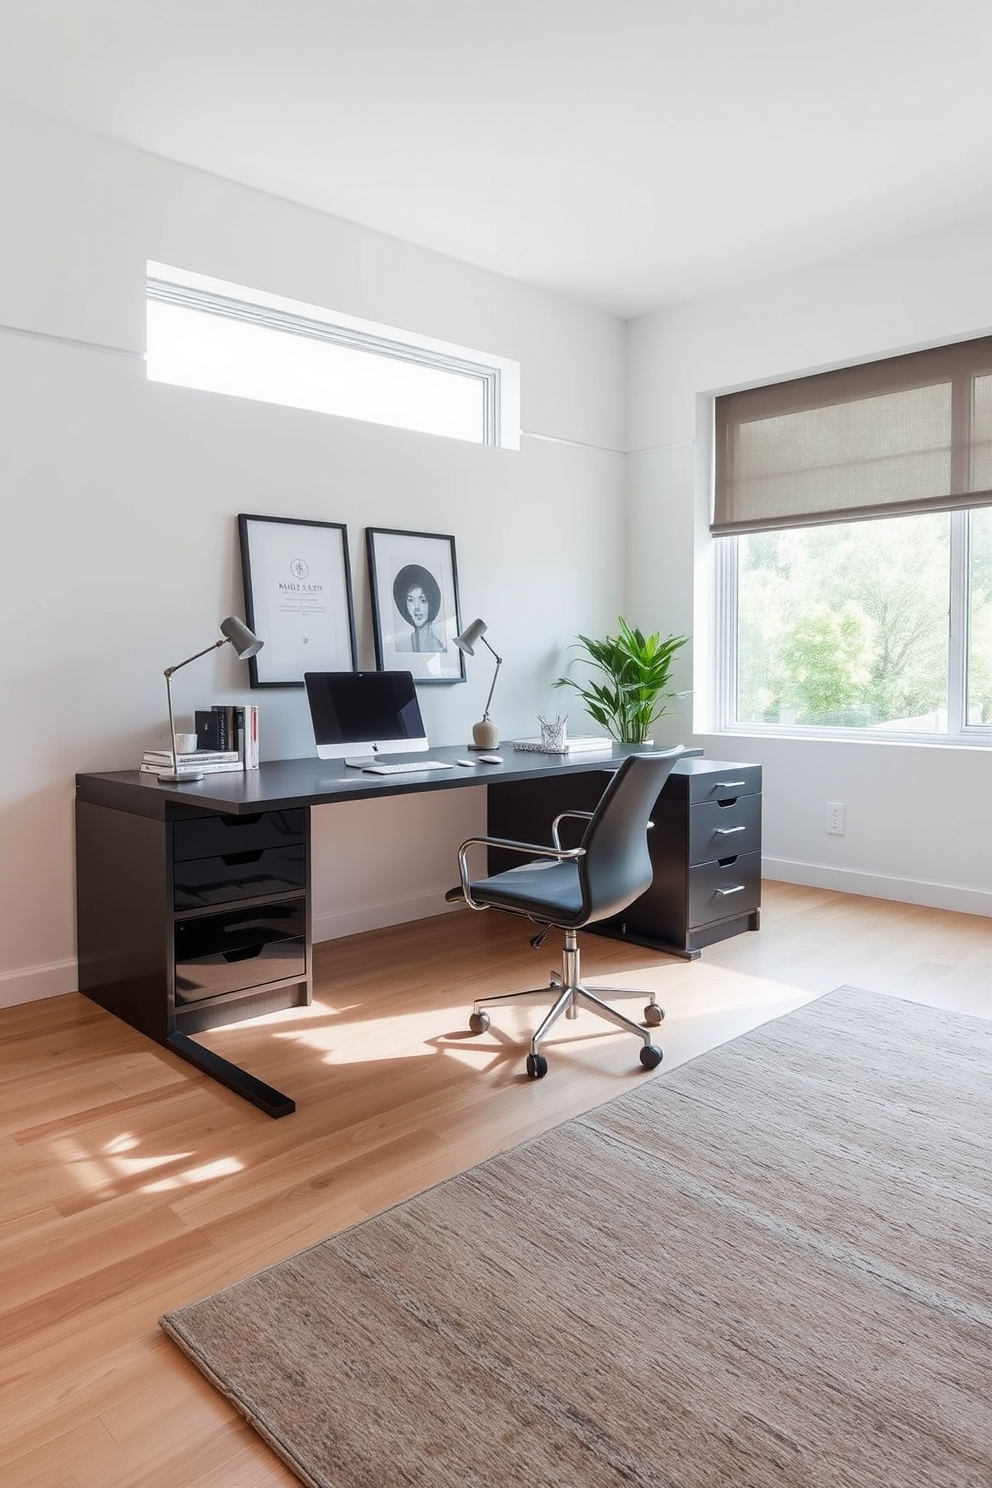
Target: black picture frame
{"x":426,"y":564}
{"x":298,"y":598}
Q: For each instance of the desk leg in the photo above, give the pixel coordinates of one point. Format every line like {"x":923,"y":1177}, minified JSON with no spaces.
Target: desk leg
{"x":271,"y":1101}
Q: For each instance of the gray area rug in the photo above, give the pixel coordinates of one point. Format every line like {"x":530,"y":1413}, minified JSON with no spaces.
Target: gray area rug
{"x":772,"y":1266}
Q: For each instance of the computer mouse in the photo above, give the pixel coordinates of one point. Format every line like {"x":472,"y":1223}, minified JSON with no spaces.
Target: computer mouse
{"x":490,"y":759}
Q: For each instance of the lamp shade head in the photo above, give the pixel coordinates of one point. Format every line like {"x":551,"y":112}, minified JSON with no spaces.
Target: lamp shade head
{"x":244,"y":641}
{"x":470,"y":637}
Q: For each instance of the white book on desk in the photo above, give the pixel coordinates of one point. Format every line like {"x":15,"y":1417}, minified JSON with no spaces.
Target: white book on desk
{"x":192,"y":757}
{"x":578,"y":745}
{"x":190,"y":762}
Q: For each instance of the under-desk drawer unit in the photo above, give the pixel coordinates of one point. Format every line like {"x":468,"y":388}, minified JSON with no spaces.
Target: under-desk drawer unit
{"x":706,"y":854}
{"x":240,"y":949}
{"x":241,"y":959}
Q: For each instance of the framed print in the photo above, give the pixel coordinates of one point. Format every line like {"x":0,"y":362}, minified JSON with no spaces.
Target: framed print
{"x":415,"y":604}
{"x":298,"y":598}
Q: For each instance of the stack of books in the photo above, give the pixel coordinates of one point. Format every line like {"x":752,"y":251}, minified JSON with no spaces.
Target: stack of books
{"x":226,"y":739}
{"x":154,"y":761}
{"x":575,"y":745}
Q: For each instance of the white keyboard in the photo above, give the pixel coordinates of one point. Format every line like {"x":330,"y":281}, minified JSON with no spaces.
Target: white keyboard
{"x":407,"y":767}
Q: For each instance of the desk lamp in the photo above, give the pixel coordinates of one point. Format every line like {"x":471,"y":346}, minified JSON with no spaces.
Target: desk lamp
{"x":485,"y":734}
{"x":245,"y":644}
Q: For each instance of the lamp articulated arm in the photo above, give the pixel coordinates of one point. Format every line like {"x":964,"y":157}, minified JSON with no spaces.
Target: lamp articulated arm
{"x":499,"y":663}
{"x":196,"y":656}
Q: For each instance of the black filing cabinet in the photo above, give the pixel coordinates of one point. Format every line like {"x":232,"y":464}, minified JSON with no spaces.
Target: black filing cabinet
{"x":705,"y":849}
{"x":239,"y":921}
{"x":706,"y":853}
{"x":188,"y":919}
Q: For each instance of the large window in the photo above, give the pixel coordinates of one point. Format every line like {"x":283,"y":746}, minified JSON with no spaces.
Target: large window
{"x":223,"y":338}
{"x":854,"y":516}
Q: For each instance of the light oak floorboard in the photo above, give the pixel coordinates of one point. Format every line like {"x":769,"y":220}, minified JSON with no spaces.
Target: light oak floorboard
{"x":133,"y":1184}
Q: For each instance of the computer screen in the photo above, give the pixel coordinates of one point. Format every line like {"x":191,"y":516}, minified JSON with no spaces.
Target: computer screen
{"x":359,"y":716}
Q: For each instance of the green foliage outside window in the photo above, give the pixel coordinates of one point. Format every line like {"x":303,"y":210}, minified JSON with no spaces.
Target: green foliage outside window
{"x":847,"y":625}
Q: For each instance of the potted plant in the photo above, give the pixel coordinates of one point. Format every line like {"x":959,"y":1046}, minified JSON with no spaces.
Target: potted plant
{"x":635,"y":671}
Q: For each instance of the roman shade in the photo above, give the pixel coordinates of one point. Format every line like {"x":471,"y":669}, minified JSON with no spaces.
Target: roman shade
{"x":906,"y":434}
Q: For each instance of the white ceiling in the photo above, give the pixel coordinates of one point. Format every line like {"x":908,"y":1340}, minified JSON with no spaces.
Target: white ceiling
{"x":627,"y":153}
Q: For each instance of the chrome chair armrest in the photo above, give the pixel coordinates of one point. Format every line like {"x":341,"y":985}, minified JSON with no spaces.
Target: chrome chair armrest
{"x":564,"y":816}
{"x":526,"y":850}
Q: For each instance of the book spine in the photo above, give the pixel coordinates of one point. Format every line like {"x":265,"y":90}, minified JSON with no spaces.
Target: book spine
{"x":220,"y":713}
{"x":251,"y":730}
{"x":238,"y":740}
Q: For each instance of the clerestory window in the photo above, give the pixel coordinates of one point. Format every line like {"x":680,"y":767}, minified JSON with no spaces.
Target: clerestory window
{"x":224,"y":338}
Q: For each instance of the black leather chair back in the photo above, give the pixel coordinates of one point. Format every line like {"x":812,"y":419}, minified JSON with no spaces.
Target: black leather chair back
{"x":616,"y":868}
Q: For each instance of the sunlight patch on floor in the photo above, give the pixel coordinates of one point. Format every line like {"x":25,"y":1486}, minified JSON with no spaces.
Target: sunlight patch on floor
{"x":222,"y":1168}
{"x":119,"y":1163}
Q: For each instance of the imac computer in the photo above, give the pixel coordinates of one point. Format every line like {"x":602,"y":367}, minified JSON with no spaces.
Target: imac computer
{"x":361,"y":717}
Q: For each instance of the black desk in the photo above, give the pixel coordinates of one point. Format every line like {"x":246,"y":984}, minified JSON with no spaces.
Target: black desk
{"x":193,"y":901}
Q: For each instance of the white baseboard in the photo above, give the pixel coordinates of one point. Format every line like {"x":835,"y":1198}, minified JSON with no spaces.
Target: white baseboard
{"x":33,"y":983}
{"x":353,"y":921}
{"x":879,"y":886}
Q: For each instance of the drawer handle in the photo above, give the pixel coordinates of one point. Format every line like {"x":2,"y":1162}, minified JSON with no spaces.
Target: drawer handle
{"x":729,"y":784}
{"x":233,"y":859}
{"x":737,"y":889}
{"x":246,"y":953}
{"x":727,"y":831}
{"x":251,"y":819}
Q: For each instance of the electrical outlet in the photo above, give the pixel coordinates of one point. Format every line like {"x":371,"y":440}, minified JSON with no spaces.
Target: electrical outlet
{"x":835,"y":818}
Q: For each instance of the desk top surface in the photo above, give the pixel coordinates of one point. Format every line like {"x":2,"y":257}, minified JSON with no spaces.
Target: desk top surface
{"x":280,"y":784}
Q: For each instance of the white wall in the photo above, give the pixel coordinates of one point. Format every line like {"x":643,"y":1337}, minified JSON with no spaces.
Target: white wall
{"x":119,"y":497}
{"x":919,"y":818}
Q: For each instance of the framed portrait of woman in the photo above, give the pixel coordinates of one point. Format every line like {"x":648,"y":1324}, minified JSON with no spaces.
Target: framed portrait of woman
{"x":415,"y":615}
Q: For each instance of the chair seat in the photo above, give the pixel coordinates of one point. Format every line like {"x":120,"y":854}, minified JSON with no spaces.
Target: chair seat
{"x":545,"y":892}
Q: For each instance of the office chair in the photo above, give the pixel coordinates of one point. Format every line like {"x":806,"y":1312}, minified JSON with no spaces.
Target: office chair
{"x":571,"y":888}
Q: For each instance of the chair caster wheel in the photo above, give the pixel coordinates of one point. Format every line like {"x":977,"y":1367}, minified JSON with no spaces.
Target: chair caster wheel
{"x":653,"y":1015}
{"x":537,"y":1066}
{"x":651,"y":1056}
{"x":478,"y":1022}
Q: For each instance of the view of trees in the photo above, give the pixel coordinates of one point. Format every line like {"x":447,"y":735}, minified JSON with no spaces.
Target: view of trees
{"x":847,"y":625}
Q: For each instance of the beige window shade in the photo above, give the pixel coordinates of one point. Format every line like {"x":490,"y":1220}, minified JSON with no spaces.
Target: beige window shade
{"x":910,"y":433}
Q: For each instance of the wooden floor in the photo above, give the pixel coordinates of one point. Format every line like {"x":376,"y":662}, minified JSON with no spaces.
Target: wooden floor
{"x":132,"y":1184}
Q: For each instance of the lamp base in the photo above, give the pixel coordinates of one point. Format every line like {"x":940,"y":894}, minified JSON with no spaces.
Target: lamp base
{"x":180,"y":777}
{"x":485,"y":735}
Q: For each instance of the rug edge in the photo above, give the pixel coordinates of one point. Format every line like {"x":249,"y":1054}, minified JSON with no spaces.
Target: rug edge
{"x":173,"y":1330}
